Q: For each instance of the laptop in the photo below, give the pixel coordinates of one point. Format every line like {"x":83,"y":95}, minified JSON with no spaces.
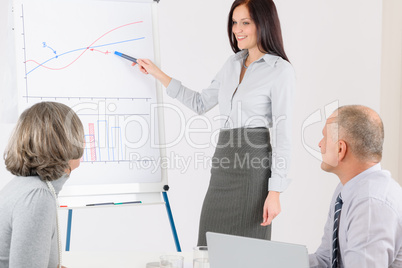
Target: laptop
{"x":230,"y":251}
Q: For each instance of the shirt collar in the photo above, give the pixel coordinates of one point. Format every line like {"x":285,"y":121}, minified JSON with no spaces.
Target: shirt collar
{"x":267,"y":58}
{"x":349,"y":187}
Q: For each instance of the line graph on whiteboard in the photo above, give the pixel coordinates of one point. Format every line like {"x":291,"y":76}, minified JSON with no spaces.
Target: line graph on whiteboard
{"x":72,"y":58}
{"x":65,"y":53}
{"x":92,"y":47}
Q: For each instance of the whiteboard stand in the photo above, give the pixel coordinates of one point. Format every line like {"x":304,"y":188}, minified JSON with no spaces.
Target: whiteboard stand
{"x":168,"y":210}
{"x":172,"y":225}
{"x":68,"y":237}
{"x":51,"y":59}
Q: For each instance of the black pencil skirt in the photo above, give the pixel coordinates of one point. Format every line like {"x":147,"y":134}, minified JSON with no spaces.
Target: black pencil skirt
{"x":241,"y":168}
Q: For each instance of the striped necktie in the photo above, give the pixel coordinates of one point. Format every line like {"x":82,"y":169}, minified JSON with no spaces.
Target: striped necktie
{"x":335,"y":242}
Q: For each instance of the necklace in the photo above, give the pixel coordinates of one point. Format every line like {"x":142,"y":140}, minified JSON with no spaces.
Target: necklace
{"x":49,"y":184}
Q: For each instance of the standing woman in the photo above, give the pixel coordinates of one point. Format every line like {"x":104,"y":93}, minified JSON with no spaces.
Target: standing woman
{"x":46,"y":146}
{"x":254,"y":90}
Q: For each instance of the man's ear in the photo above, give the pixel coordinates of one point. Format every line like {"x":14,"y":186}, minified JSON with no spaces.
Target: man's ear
{"x":342,"y":149}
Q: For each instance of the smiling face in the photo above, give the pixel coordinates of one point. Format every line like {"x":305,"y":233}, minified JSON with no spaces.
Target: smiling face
{"x":244,"y":28}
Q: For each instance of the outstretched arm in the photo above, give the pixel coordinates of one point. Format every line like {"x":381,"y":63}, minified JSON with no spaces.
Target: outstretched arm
{"x":148,"y":67}
{"x":200,"y":102}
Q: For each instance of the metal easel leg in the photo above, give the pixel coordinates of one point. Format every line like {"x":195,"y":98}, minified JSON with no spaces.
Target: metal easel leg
{"x":169,"y":212}
{"x":69,"y":220}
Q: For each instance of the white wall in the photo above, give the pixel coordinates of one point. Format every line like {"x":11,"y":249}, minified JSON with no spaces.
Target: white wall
{"x":5,"y":128}
{"x":336,"y":53}
{"x":335,"y":48}
{"x":391,"y":86}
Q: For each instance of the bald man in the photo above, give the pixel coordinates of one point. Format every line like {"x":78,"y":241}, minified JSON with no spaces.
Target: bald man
{"x":364,"y":225}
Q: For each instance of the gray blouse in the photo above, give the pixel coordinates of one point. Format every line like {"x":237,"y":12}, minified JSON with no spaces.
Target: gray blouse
{"x":264,"y":98}
{"x":28,"y":234}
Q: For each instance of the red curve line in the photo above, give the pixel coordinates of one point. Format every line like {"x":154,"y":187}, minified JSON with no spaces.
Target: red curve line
{"x":103,"y":52}
{"x":88,"y":47}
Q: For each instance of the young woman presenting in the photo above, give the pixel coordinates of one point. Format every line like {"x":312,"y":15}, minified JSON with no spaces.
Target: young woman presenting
{"x":254,"y":90}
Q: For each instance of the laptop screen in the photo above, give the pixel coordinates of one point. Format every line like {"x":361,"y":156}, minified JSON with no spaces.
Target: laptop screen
{"x":229,"y":251}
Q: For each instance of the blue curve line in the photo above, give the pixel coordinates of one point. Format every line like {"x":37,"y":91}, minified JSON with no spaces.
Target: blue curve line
{"x":55,"y":57}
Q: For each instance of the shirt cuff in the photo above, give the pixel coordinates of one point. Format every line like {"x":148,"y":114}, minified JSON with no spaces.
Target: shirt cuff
{"x":278,"y":184}
{"x":173,"y":88}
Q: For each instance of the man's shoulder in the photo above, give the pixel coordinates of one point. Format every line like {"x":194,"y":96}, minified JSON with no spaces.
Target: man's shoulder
{"x":381,"y":187}
{"x":382,"y":180}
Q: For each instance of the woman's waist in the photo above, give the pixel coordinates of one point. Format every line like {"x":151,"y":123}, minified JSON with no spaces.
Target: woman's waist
{"x":244,"y":138}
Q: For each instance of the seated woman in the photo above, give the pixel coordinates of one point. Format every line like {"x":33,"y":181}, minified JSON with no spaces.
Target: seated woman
{"x":46,"y":146}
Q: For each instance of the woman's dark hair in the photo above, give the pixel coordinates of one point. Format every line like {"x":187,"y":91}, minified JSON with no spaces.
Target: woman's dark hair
{"x":265,"y":17}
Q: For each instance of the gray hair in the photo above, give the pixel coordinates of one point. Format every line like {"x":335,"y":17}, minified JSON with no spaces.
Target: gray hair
{"x":363,"y":130}
{"x":47,"y":136}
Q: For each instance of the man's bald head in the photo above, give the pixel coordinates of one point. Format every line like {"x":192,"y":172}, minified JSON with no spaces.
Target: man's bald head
{"x":362,"y":129}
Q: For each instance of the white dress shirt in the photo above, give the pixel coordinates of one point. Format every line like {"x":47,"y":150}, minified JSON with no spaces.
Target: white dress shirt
{"x":370,"y":230}
{"x":264,"y":98}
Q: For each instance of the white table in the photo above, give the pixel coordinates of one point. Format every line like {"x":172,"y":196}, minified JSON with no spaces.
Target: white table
{"x":88,"y":259}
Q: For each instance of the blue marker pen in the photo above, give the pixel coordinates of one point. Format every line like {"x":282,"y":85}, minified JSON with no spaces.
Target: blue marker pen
{"x":130,"y":202}
{"x":125,"y":56}
{"x":100,"y":204}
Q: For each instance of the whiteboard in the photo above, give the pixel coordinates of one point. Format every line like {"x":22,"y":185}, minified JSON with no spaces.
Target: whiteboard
{"x":65,"y":53}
